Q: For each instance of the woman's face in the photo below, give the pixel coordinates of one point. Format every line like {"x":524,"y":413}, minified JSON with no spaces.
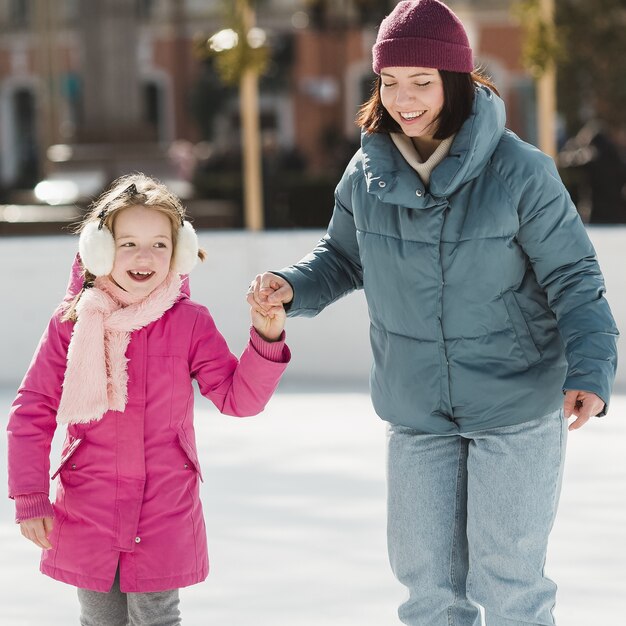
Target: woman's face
{"x":143,"y":249}
{"x":413,"y":96}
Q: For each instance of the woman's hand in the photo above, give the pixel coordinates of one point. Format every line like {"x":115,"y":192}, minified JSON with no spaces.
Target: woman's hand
{"x":268,"y":290}
{"x":582,"y":405}
{"x":38,"y":531}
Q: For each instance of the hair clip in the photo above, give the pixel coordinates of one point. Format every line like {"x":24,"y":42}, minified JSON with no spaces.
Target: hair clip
{"x":131,"y":190}
{"x":102,"y":216}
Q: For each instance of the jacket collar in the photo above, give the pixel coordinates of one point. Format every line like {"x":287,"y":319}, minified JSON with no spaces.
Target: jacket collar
{"x":386,"y":170}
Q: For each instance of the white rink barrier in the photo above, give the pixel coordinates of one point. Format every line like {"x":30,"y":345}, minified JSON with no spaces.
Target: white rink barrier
{"x":331,"y":349}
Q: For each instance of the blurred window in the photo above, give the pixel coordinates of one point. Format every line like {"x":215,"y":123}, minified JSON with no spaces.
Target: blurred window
{"x":152,"y":104}
{"x":145,"y":9}
{"x":25,"y":138}
{"x":20,"y":13}
{"x":366,"y":87}
{"x":71,"y":10}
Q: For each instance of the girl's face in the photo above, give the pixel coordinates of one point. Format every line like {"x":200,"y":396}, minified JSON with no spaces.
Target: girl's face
{"x":413,"y":96}
{"x":143,"y":249}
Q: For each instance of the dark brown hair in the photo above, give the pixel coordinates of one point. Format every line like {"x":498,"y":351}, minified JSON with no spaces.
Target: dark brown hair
{"x":458,"y":96}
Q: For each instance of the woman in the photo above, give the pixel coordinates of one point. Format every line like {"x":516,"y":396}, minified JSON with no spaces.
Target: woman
{"x":488,"y":323}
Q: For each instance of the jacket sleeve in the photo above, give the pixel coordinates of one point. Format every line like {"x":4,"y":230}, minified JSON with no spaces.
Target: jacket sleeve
{"x":565,"y":264}
{"x":333,"y":269}
{"x":32,"y":419}
{"x":239,"y":387}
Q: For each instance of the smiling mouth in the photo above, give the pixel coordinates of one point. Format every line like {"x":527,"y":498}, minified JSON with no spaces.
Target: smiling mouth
{"x":413,"y":115}
{"x":140,"y":276}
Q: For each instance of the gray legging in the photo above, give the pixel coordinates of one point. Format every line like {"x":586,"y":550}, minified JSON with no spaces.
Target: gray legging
{"x":116,"y":608}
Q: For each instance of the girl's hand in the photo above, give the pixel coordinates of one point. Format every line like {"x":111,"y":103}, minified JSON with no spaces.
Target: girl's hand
{"x":268,"y":290}
{"x":582,"y":405}
{"x":37,"y":531}
{"x":269,"y":323}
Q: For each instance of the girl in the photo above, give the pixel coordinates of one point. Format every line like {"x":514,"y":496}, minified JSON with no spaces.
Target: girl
{"x":486,"y":304}
{"x":116,"y":366}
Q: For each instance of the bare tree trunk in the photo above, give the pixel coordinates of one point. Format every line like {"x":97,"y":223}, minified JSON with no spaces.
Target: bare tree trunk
{"x":546,"y":94}
{"x":251,"y":135}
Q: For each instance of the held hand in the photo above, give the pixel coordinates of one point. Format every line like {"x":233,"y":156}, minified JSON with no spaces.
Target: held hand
{"x":38,"y":531}
{"x":582,"y":405}
{"x":268,"y":290}
{"x":269,"y":323}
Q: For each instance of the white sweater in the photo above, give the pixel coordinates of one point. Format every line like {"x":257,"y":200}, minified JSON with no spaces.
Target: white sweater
{"x":412,"y":156}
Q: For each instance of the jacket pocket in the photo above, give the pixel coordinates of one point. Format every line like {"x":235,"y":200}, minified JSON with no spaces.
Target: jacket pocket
{"x":190,"y":452}
{"x":73,"y":443}
{"x":522,"y":332}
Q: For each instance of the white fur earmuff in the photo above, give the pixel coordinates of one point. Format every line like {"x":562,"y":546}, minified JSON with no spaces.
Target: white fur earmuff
{"x":186,"y":253}
{"x":97,"y":249}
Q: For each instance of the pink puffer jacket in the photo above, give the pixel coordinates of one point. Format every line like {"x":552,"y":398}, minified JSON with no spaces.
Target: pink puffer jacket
{"x":128,"y":485}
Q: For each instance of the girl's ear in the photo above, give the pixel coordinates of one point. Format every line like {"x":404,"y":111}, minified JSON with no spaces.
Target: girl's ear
{"x":96,"y":247}
{"x":186,"y":252}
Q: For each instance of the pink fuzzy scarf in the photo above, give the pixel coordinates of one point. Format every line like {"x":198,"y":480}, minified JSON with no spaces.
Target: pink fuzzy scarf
{"x":96,"y":377}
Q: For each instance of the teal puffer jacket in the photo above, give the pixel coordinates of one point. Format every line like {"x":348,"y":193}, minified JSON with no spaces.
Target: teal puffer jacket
{"x":484,"y":292}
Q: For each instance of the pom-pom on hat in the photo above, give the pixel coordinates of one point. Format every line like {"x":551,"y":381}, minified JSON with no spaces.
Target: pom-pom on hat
{"x":422,"y":33}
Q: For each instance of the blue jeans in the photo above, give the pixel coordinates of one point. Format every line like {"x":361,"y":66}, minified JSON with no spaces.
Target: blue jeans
{"x":468,"y":522}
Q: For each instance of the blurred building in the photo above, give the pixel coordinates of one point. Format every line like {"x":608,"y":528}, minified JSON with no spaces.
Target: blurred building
{"x":332,"y":75}
{"x":123,"y":73}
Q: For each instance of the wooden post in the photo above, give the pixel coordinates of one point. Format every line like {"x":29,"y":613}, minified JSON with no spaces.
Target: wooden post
{"x":546,"y":93}
{"x":250,"y":134}
{"x":47,"y":67}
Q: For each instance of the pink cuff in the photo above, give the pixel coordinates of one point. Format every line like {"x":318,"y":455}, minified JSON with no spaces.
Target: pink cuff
{"x":275,"y":351}
{"x":32,"y":506}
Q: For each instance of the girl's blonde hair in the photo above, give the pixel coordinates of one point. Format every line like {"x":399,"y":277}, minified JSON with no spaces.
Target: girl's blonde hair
{"x":127,"y":191}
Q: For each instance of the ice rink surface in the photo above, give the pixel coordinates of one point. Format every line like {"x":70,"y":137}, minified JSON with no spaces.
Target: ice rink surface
{"x":295,"y":509}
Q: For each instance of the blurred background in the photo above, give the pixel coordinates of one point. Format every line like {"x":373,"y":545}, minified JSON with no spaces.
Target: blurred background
{"x":246,"y":110}
{"x":175,"y":88}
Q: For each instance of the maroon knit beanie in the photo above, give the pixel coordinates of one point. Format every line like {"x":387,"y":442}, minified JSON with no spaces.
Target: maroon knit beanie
{"x":422,"y":33}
